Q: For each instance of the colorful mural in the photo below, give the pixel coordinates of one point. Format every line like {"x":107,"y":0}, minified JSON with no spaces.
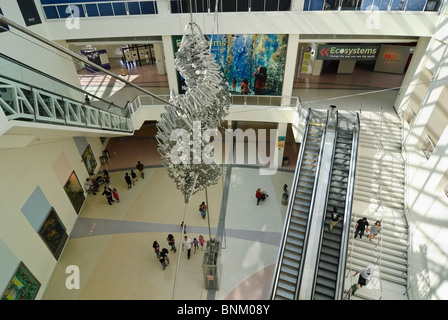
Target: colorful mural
{"x":239,"y":56}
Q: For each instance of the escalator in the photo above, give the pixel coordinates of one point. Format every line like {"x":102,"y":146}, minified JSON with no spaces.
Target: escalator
{"x":332,"y":255}
{"x":287,"y":275}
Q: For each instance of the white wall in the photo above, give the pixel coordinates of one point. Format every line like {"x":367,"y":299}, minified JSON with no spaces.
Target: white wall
{"x":22,"y":170}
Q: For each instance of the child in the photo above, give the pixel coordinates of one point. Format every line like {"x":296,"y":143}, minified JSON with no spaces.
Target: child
{"x":201,"y":241}
{"x":196,"y":244}
{"x":115,"y":194}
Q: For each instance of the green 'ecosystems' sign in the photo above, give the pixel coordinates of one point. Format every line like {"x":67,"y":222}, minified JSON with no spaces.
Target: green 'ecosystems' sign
{"x":347,"y":52}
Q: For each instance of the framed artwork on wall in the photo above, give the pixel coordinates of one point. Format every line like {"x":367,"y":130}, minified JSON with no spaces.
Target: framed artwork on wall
{"x":53,"y":233}
{"x":75,"y":192}
{"x":23,"y":285}
{"x":89,"y":159}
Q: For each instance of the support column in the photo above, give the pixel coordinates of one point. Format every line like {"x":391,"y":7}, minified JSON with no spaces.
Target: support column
{"x":169,"y":63}
{"x":281,"y":141}
{"x":290,"y":67}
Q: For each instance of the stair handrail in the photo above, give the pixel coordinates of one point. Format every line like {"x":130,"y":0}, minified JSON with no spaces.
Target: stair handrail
{"x":345,"y":237}
{"x":313,"y":198}
{"x":290,"y":207}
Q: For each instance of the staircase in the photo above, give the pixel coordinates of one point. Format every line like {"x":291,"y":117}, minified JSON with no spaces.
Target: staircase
{"x":291,"y":255}
{"x":379,"y":195}
{"x":329,"y":259}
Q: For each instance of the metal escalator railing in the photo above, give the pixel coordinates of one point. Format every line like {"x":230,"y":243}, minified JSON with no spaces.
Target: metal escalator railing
{"x":329,"y":273}
{"x":348,"y":209}
{"x":295,"y":234}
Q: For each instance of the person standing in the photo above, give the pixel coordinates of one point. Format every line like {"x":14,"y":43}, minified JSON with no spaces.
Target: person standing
{"x":244,"y":85}
{"x":128,"y":180}
{"x":116,"y":196}
{"x":171,"y":242}
{"x":201,"y":241}
{"x":234,"y":84}
{"x":133,"y":177}
{"x":203,"y":209}
{"x":335,"y":218}
{"x":156,"y":247}
{"x":186,"y":244}
{"x":260,"y":80}
{"x":162,"y":260}
{"x":361,"y":226}
{"x":108,"y":193}
{"x":364,"y":276}
{"x":141,"y":168}
{"x":374,"y":230}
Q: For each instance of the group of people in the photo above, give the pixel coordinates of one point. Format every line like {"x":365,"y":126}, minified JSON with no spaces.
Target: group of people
{"x":132,"y":178}
{"x":187,"y":244}
{"x":162,"y":255}
{"x":260,"y":82}
{"x":361,"y":227}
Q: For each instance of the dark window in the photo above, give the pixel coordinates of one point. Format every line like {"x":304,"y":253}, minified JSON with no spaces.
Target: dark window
{"x":257,"y":5}
{"x":134,"y":8}
{"x":119,"y":9}
{"x":92,"y":10}
{"x":71,"y":10}
{"x":105,"y":9}
{"x":148,"y":7}
{"x":51,"y":12}
{"x":229,"y":6}
{"x":243,"y":5}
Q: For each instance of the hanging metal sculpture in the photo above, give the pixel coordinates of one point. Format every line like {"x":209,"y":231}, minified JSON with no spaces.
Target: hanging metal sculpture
{"x":193,"y":116}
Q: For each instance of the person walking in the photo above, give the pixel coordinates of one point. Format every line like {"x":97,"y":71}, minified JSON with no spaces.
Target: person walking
{"x":374,"y":230}
{"x":195,"y":244}
{"x":361,"y":226}
{"x":140,"y":167}
{"x":335,"y":218}
{"x":108,"y":193}
{"x":127,"y":177}
{"x":171,"y":242}
{"x":364,"y":276}
{"x":203,"y":209}
{"x":186,"y":244}
{"x":201,"y":242}
{"x":116,"y":196}
{"x":183,"y":226}
{"x":156,"y":247}
{"x":133,"y":177}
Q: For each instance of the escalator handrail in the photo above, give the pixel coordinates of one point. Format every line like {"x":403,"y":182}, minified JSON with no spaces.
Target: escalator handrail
{"x":325,"y":200}
{"x":290,"y":207}
{"x":348,"y":212}
{"x":313,"y":198}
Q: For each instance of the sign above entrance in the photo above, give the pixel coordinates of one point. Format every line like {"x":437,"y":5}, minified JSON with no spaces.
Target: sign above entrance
{"x":347,"y":52}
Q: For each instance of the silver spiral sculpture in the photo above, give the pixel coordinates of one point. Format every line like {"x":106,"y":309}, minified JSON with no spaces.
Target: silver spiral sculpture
{"x":192,"y":117}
